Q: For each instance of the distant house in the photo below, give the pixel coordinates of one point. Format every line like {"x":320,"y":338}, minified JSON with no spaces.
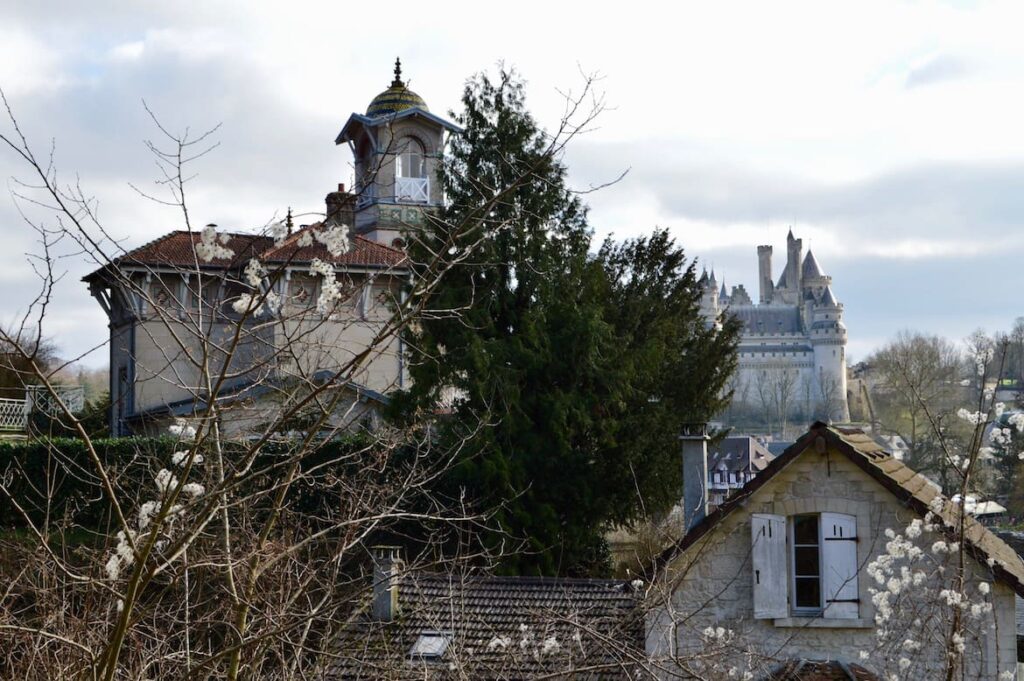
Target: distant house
{"x":783,"y":564}
{"x":433,"y":625}
{"x":732,"y":463}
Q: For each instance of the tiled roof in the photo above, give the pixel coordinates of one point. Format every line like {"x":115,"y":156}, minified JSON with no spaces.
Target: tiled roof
{"x":363,"y":253}
{"x":816,"y":670}
{"x":177,"y":249}
{"x":769,"y":318}
{"x":910,"y":487}
{"x":595,"y":623}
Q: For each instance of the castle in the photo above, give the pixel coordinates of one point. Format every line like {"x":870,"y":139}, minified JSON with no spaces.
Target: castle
{"x":792,"y":354}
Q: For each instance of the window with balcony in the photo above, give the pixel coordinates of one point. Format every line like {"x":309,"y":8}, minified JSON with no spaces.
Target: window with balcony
{"x":411,"y":182}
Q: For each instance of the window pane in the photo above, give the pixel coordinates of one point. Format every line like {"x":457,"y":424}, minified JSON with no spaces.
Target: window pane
{"x":805,"y":529}
{"x":805,"y":561}
{"x":808,"y":592}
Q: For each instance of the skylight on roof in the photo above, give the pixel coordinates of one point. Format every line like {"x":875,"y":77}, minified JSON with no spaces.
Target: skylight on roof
{"x":430,"y":645}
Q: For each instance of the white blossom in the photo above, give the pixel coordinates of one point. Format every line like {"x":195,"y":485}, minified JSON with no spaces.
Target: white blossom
{"x":146,"y":512}
{"x":550,"y":645}
{"x":193,"y":489}
{"x":210,"y":247}
{"x":972,"y":417}
{"x":499,"y":643}
{"x":180,"y":458}
{"x":984,"y":588}
{"x":165,"y":480}
{"x":254,"y":273}
{"x":334,"y":238}
{"x":305,"y":240}
{"x":182,"y":430}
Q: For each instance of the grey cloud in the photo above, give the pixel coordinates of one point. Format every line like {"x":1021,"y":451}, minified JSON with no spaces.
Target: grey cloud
{"x":944,"y":67}
{"x":946,"y":200}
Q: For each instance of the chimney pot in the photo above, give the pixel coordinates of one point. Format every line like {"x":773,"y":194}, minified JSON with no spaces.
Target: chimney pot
{"x":695,"y":473}
{"x":387,"y":563}
{"x":341,"y":187}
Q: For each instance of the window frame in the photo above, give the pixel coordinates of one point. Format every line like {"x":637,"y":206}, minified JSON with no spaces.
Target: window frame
{"x":797,"y":610}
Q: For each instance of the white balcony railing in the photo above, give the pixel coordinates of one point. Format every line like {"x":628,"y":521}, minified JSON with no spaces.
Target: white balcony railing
{"x":412,"y":189}
{"x":13,"y":415}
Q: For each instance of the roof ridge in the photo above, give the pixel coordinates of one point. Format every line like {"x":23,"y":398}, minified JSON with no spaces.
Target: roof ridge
{"x":528,"y":579}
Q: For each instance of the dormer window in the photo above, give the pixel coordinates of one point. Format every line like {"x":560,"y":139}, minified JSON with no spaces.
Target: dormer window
{"x":430,"y":646}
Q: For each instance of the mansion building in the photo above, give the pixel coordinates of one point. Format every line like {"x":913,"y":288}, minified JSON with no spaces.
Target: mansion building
{"x":792,"y":354}
{"x":182,"y":334}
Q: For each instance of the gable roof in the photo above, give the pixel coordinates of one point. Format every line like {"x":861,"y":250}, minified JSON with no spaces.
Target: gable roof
{"x":475,"y":610}
{"x":177,"y":249}
{"x":910,"y":487}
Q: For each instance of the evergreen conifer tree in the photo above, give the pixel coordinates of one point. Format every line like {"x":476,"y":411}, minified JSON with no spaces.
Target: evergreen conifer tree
{"x":539,"y":350}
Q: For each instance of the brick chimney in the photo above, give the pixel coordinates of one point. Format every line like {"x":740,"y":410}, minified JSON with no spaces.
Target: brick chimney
{"x":341,"y":207}
{"x":695,"y":438}
{"x":387,"y":563}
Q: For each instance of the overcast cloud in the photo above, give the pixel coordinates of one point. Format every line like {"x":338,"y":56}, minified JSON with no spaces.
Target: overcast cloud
{"x":886,"y":134}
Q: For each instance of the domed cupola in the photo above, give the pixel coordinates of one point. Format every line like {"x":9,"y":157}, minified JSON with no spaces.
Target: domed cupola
{"x":396,"y":98}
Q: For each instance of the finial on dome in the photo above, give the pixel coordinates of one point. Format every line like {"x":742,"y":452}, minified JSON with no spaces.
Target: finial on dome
{"x":397,"y":82}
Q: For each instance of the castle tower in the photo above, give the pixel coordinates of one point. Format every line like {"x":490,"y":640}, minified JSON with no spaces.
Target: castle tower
{"x":794,"y":256}
{"x":764,"y":271}
{"x":828,"y":339}
{"x":709,"y":305}
{"x":397,"y":146}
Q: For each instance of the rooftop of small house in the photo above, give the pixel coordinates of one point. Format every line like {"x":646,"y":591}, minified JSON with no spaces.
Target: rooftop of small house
{"x":496,"y":628}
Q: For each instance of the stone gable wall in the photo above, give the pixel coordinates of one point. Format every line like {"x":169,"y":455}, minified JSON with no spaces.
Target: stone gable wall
{"x":711,"y":584}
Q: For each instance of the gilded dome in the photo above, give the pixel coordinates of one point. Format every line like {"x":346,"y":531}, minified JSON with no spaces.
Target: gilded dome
{"x":396,"y":98}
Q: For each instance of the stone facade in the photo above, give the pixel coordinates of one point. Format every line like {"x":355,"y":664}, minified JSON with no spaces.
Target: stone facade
{"x":792,"y":355}
{"x":710,"y":584}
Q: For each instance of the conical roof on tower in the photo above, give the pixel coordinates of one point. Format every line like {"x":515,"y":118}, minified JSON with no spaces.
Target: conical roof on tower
{"x":828,"y":299}
{"x":811,"y":267}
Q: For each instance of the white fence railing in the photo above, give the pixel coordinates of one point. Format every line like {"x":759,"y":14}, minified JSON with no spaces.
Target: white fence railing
{"x":13,"y":415}
{"x":412,"y":189}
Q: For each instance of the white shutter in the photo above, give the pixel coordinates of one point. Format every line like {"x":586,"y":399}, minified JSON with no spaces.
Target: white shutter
{"x":768,"y":559}
{"x":839,"y":565}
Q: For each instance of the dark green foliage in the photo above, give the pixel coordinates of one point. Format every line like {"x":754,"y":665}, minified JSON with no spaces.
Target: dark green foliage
{"x":55,"y":480}
{"x":543,"y":353}
{"x":677,"y":365}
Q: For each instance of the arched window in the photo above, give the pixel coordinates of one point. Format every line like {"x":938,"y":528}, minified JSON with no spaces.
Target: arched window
{"x":410,"y":159}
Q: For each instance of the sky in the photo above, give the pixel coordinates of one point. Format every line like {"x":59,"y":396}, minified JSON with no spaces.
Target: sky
{"x":886,"y":134}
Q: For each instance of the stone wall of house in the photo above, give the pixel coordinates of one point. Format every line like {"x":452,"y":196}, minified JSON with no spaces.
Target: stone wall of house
{"x":711,"y":584}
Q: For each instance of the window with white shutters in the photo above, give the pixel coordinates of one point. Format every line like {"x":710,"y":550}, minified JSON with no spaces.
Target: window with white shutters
{"x":768,"y":559}
{"x":839,"y":563}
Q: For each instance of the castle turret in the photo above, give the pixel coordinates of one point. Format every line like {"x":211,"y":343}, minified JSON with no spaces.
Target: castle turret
{"x":794,"y":256}
{"x":828,"y":339}
{"x":764,"y":270}
{"x":709,"y":305}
